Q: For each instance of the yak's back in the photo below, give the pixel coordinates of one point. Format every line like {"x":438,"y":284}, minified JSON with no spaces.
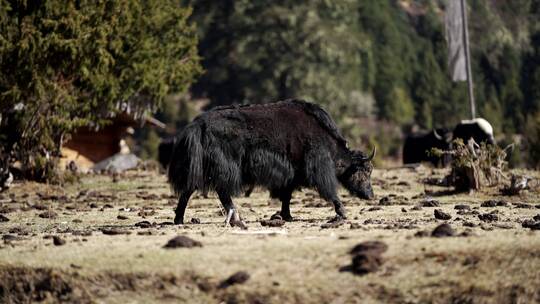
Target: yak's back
{"x":311,"y":109}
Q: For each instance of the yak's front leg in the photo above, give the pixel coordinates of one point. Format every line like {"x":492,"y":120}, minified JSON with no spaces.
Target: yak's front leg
{"x":181,"y":207}
{"x":340,"y":210}
{"x":231,"y":212}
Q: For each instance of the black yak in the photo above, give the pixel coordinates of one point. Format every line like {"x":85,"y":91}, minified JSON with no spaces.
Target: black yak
{"x":479,"y":129}
{"x":280,"y":146}
{"x":418,"y":145}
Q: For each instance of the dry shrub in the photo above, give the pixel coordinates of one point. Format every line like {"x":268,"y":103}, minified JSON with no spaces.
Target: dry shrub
{"x":475,"y":166}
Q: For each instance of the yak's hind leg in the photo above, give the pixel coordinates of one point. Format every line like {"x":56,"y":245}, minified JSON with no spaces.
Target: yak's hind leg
{"x":228,"y":204}
{"x":284,"y":196}
{"x":321,"y":174}
{"x":181,"y":207}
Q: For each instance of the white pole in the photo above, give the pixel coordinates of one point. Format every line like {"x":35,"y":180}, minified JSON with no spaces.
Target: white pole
{"x":468,"y":58}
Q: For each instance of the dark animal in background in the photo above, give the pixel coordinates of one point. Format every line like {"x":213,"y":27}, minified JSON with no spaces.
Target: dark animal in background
{"x":479,"y":129}
{"x":280,"y":146}
{"x":418,"y":145}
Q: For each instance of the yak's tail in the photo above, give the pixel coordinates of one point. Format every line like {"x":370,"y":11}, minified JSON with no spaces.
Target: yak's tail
{"x":186,"y":166}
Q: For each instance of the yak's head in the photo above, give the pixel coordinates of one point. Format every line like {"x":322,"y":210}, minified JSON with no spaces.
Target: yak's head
{"x":356,"y":178}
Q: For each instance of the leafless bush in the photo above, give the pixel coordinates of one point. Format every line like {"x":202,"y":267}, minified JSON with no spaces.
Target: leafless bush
{"x":476,"y":166}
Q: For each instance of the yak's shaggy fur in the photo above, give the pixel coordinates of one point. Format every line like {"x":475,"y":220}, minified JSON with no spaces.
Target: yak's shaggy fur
{"x":280,"y":146}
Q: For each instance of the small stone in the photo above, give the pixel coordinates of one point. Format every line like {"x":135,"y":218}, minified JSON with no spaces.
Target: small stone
{"x":48,"y":214}
{"x":440,"y":215}
{"x":122,"y":217}
{"x":57,"y":241}
{"x":143,"y":224}
{"x":114,"y":231}
{"x":372,"y":247}
{"x":430,"y":203}
{"x":195,"y":220}
{"x":239,"y":277}
{"x":531,"y":224}
{"x":488,"y":217}
{"x":494,"y":203}
{"x":273,"y":223}
{"x":462,"y":207}
{"x":182,"y":241}
{"x":443,"y":230}
{"x":3,"y":218}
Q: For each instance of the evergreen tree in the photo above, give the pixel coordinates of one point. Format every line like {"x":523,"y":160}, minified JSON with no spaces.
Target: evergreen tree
{"x":68,"y":64}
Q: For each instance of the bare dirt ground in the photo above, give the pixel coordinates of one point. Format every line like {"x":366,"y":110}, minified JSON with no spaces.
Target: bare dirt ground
{"x":103,"y":241}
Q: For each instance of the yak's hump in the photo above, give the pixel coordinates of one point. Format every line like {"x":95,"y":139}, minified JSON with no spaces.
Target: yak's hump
{"x":312,"y":109}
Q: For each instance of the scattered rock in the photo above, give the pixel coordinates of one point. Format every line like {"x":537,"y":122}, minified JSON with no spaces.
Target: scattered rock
{"x":11,"y":237}
{"x":372,"y":247}
{"x":469,"y":224}
{"x":494,"y":203}
{"x":7,"y":209}
{"x":145,"y":213}
{"x":531,"y":224}
{"x":376,"y":208}
{"x":122,"y":217}
{"x":82,"y":232}
{"x":440,"y":215}
{"x":113,"y":231}
{"x":40,"y":206}
{"x":367,"y":257}
{"x":366,"y":263}
{"x":536,"y":217}
{"x":77,"y":221}
{"x":3,"y":218}
{"x":443,"y":230}
{"x":143,"y":224}
{"x":403,"y":210}
{"x":273,"y":223}
{"x":355,"y":226}
{"x":462,"y":207}
{"x":239,"y":277}
{"x":523,"y":205}
{"x":416,"y":208}
{"x":430,"y":203}
{"x":488,"y":217}
{"x":195,"y":220}
{"x":422,"y":233}
{"x":57,"y":241}
{"x":48,"y":214}
{"x":182,"y":241}
{"x":385,"y":201}
{"x":503,"y":225}
{"x":332,"y":224}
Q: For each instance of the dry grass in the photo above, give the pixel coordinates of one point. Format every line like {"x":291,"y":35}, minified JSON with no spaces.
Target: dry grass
{"x":496,"y":262}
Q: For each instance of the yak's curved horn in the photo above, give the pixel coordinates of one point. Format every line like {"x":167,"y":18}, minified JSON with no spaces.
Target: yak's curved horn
{"x":373,"y":153}
{"x":361,"y":158}
{"x":439,"y":137}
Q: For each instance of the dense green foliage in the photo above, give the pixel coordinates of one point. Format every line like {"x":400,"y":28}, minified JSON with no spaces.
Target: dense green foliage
{"x":67,"y":64}
{"x":358,"y":58}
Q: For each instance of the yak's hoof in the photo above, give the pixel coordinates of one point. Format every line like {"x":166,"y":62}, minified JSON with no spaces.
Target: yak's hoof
{"x":240,"y":224}
{"x":279,"y":216}
{"x":337,"y":219}
{"x":178,"y":221}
